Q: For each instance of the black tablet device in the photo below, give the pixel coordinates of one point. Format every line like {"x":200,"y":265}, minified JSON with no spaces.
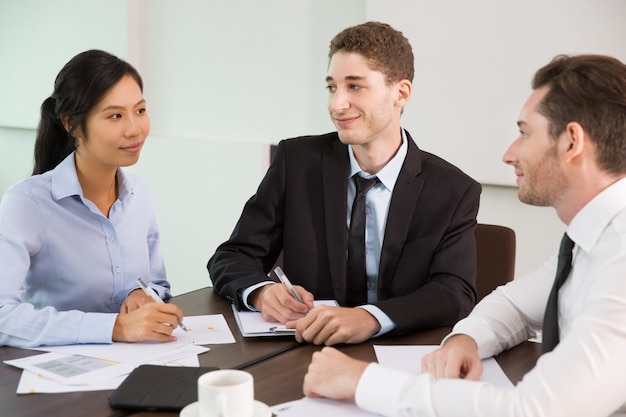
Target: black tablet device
{"x":158,"y":388}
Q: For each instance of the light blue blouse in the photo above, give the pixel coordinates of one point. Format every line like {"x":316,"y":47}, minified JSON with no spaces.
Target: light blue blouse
{"x":65,"y":268}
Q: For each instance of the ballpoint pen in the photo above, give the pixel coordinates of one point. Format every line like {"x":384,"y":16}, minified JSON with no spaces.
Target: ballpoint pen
{"x":285,"y":330}
{"x":152,"y":294}
{"x":283,"y":278}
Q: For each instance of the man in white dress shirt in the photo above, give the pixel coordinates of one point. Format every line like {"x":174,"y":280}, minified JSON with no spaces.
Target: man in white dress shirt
{"x":571,"y":155}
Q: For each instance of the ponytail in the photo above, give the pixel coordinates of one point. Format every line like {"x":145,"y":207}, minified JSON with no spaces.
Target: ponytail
{"x":53,"y":143}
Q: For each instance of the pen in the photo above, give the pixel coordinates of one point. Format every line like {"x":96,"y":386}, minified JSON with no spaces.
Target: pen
{"x":282,"y":330}
{"x":152,"y":294}
{"x":283,"y":278}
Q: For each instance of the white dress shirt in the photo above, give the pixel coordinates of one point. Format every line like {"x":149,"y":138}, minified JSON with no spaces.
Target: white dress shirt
{"x":585,"y":375}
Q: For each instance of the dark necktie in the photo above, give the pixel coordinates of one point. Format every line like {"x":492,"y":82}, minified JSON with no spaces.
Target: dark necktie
{"x":550,"y":337}
{"x":357,"y":280}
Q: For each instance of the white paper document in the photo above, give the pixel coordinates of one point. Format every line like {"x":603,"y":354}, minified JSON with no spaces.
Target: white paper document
{"x":36,"y":383}
{"x":318,"y":407}
{"x":130,"y":353}
{"x":104,"y":366}
{"x":409,"y":359}
{"x":71,"y":369}
{"x":206,"y":329}
{"x":81,"y":369}
{"x":405,"y":358}
{"x":252,"y":323}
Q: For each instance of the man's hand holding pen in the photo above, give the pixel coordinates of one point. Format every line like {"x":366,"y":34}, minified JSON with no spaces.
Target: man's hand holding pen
{"x":277,"y":304}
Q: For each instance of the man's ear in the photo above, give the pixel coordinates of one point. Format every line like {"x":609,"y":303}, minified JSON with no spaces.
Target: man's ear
{"x":574,"y":141}
{"x":405,"y":89}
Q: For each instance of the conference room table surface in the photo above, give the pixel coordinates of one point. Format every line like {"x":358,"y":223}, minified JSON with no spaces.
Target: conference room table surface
{"x":278,"y":365}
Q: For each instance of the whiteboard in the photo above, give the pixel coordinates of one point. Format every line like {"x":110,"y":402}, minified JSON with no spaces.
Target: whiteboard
{"x":217,"y":70}
{"x":474,"y":61}
{"x":38,"y":37}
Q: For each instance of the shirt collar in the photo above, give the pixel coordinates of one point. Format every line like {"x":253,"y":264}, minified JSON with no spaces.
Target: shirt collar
{"x":389,"y":173}
{"x":65,"y":181}
{"x":589,"y":223}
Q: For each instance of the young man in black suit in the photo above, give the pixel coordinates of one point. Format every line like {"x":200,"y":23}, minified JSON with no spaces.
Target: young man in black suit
{"x":415,"y":268}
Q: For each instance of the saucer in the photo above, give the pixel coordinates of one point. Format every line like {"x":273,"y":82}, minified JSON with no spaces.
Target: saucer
{"x":193,"y":410}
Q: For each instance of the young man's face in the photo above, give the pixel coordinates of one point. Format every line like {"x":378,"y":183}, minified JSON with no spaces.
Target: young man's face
{"x":362,"y":106}
{"x":534,"y":156}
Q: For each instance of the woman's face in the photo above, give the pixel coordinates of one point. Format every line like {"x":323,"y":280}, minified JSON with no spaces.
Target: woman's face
{"x":117,"y":128}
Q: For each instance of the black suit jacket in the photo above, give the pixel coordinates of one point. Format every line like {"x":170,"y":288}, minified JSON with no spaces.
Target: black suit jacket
{"x":427,"y":268}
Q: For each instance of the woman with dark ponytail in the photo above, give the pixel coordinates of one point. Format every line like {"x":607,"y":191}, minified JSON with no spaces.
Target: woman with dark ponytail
{"x":76,"y":236}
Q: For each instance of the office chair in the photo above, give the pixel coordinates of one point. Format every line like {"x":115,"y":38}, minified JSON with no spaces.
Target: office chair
{"x":495,"y":257}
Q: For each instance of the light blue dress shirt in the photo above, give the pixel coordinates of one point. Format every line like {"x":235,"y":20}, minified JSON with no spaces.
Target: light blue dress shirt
{"x":377,"y":202}
{"x":65,"y":268}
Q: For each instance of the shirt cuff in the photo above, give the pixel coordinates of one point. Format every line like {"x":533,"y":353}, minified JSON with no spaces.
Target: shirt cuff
{"x":379,"y":389}
{"x":246,"y":293}
{"x":386,"y":324}
{"x":394,"y":393}
{"x":97,"y":328}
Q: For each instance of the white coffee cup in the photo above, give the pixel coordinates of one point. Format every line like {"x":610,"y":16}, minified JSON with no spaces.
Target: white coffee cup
{"x":226,"y":393}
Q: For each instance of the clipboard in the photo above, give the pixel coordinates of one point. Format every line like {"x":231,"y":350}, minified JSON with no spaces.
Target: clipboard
{"x":252,"y":323}
{"x":158,"y":388}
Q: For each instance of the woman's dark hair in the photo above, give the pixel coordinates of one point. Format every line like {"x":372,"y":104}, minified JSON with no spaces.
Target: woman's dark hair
{"x":79,"y":86}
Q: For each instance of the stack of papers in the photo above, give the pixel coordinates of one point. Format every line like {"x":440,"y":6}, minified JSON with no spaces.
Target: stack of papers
{"x":90,"y":367}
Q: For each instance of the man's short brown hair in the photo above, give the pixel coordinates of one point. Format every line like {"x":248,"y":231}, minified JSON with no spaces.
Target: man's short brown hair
{"x":385,"y":49}
{"x":589,"y":90}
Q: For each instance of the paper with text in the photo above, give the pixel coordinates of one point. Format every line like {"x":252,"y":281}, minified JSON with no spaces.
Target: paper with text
{"x":36,"y":383}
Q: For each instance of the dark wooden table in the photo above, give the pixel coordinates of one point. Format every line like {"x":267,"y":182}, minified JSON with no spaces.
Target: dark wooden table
{"x":278,"y":365}
{"x":279,"y":379}
{"x":240,"y":355}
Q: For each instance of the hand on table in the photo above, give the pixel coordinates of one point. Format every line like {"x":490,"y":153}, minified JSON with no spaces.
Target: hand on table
{"x":333,"y":374}
{"x":332,"y":325}
{"x":457,"y":358}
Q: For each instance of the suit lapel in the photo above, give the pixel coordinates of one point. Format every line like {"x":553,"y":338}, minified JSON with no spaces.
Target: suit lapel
{"x":401,"y":210}
{"x":335,"y":170}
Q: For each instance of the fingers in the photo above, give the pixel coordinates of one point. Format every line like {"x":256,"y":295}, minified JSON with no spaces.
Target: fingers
{"x":124,"y":308}
{"x":307,"y":297}
{"x":315,"y":378}
{"x":134,"y":300}
{"x":442,"y":365}
{"x":152,"y":321}
{"x":332,"y":374}
{"x":457,"y":358}
{"x":278,"y":304}
{"x":326,"y":325}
